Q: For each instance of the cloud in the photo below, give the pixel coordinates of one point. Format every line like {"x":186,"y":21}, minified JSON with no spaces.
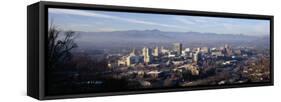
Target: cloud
{"x":202,"y":21}
{"x":99,"y":15}
{"x":184,"y":20}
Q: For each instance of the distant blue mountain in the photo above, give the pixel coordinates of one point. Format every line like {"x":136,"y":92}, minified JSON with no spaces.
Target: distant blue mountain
{"x":146,"y":37}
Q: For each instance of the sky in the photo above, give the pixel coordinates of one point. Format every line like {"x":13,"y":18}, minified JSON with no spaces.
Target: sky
{"x":103,"y":21}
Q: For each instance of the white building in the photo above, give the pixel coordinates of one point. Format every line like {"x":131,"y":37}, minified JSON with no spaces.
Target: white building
{"x":147,"y":55}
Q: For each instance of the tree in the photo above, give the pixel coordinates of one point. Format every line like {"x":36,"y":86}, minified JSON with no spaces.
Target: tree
{"x":59,"y":46}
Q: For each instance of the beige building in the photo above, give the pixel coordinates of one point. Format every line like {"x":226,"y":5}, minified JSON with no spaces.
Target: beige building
{"x":147,"y":55}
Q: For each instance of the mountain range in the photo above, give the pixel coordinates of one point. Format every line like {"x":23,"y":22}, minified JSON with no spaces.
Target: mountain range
{"x":156,"y":37}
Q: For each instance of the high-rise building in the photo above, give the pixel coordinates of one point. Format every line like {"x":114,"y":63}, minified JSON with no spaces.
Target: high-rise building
{"x":185,"y":52}
{"x":133,"y":53}
{"x":198,"y":49}
{"x":147,"y":55}
{"x":178,"y":48}
{"x":164,"y":51}
{"x":227,"y":50}
{"x":195,"y":56}
{"x":156,"y":52}
{"x":132,"y":60}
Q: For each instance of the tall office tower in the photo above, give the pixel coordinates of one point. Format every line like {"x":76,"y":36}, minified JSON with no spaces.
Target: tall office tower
{"x":130,"y":58}
{"x":133,"y":53}
{"x":198,"y":49}
{"x":147,"y":55}
{"x":178,"y":48}
{"x":156,"y":52}
{"x":195,"y":57}
{"x":227,"y":50}
{"x":163,"y":50}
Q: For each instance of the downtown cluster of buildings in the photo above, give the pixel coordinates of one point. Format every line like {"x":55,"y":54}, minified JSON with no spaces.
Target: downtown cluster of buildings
{"x":175,"y":55}
{"x":179,"y":66}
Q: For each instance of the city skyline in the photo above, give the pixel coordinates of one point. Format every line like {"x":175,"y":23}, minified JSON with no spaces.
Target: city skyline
{"x":102,"y":51}
{"x":104,"y":21}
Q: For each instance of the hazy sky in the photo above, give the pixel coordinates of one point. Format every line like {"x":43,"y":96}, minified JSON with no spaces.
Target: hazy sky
{"x":95,"y":21}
